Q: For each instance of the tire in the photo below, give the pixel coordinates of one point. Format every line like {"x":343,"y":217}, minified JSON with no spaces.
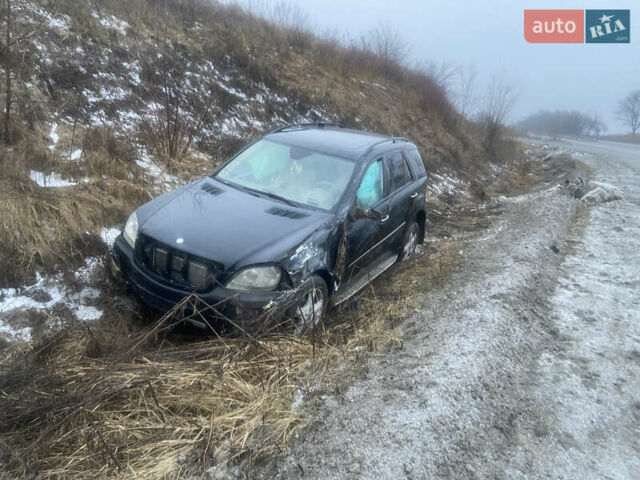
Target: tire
{"x":410,"y":242}
{"x":312,"y":308}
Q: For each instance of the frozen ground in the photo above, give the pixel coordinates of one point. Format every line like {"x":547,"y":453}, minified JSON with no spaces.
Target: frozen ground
{"x":524,"y":365}
{"x":54,"y":301}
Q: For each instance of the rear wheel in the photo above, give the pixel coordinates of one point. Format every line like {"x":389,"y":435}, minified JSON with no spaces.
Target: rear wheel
{"x":410,"y":242}
{"x":313,"y":304}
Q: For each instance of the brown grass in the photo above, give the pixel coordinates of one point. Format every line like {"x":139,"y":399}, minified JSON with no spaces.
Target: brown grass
{"x":44,"y":227}
{"x":117,"y":399}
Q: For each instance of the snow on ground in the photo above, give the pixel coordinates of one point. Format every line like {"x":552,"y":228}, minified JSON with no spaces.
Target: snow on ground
{"x":133,"y":72}
{"x":61,"y":23}
{"x":76,"y":154}
{"x":446,"y":184}
{"x":109,"y":235}
{"x":158,"y":175}
{"x":52,"y":180}
{"x":47,"y":292}
{"x":54,"y":136}
{"x":110,"y":22}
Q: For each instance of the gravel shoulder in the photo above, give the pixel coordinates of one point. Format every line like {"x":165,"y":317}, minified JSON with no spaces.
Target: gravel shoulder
{"x":523,"y":365}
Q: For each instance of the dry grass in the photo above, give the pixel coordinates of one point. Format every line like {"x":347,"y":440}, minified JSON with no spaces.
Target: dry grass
{"x":116,"y":399}
{"x":44,"y":227}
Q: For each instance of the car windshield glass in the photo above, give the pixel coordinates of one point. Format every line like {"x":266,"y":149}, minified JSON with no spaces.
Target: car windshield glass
{"x":294,"y":174}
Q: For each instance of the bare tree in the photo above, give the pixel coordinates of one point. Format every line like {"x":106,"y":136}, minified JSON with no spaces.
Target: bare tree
{"x":629,"y":110}
{"x":387,"y":43}
{"x":172,"y":126}
{"x":595,"y":125}
{"x":11,"y":58}
{"x":442,"y":73}
{"x":498,"y":102}
{"x":464,"y":90}
{"x":289,"y":15}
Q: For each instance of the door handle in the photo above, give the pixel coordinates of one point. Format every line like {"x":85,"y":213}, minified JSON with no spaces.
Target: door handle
{"x":414,"y":195}
{"x":384,"y":219}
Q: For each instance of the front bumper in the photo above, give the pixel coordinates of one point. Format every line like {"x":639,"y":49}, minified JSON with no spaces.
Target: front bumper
{"x":163,"y":296}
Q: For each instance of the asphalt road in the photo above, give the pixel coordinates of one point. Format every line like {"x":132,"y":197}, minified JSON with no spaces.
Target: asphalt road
{"x":524,"y":365}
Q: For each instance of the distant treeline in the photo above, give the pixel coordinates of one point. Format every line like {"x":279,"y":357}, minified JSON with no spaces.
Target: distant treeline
{"x":561,"y":122}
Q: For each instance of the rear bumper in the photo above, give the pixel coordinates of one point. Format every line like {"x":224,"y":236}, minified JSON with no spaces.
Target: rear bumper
{"x":162,"y":296}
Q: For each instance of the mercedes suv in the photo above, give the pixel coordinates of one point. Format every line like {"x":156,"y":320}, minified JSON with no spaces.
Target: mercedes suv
{"x":305,"y":217}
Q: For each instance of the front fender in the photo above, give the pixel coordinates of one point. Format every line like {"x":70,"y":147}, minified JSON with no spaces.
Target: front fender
{"x":317,"y":253}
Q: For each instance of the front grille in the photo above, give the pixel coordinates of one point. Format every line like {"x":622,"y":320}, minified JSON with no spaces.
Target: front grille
{"x":175,"y":266}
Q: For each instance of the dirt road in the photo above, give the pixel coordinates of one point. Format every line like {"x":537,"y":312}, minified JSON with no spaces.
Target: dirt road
{"x":524,"y":365}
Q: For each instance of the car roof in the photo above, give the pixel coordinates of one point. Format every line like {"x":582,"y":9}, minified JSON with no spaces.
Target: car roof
{"x":332,"y":139}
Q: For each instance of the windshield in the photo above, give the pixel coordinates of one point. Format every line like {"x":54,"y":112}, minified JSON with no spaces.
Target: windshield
{"x":294,"y":174}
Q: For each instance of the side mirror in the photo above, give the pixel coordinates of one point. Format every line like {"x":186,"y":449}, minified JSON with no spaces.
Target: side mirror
{"x":357,"y":213}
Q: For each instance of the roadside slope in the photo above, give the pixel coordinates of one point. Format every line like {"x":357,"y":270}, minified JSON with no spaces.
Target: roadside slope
{"x":119,"y":101}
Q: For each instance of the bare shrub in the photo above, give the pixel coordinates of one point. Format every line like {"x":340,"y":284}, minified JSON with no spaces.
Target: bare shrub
{"x":499,"y":99}
{"x":464,"y":91}
{"x":387,"y":44}
{"x":13,"y":56}
{"x":629,"y":111}
{"x":173,"y":122}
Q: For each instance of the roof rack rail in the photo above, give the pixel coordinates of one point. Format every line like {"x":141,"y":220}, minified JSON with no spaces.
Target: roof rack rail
{"x":309,"y":124}
{"x":384,"y":140}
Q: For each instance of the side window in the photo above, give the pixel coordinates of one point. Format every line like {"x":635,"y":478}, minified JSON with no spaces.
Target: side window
{"x":371,"y":187}
{"x":398,"y":171}
{"x":416,"y":163}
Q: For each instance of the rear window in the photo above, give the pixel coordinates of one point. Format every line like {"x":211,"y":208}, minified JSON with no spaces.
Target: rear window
{"x":416,"y":163}
{"x":398,"y":171}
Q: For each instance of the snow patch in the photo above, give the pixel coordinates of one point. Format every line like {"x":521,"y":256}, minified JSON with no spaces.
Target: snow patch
{"x":53,"y":135}
{"x":87,"y":313}
{"x":164,"y":180}
{"x":298,"y":400}
{"x":603,"y":192}
{"x":47,"y":292}
{"x":112,"y":23}
{"x":109,"y":235}
{"x":53,"y":180}
{"x":63,"y":23}
{"x":446,"y":184}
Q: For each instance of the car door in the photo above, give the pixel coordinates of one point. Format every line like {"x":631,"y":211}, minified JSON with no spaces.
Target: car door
{"x":368,"y":222}
{"x":401,"y":199}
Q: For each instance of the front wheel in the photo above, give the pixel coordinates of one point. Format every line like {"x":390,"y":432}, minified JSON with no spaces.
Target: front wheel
{"x":313,"y":304}
{"x":410,"y":242}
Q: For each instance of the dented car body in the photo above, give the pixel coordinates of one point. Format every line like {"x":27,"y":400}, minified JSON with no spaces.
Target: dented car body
{"x":306,"y":216}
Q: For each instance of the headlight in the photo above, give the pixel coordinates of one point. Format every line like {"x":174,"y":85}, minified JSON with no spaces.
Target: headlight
{"x":256,"y":279}
{"x":130,"y":231}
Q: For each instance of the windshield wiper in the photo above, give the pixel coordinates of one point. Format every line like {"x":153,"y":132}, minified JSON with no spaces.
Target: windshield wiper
{"x":278,"y":197}
{"x":256,"y":192}
{"x":250,"y":191}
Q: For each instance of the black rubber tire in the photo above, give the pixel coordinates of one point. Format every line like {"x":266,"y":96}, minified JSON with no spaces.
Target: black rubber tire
{"x":412,"y":230}
{"x":314,"y":283}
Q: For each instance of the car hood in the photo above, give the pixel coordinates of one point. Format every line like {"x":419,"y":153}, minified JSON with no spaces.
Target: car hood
{"x":230,"y":226}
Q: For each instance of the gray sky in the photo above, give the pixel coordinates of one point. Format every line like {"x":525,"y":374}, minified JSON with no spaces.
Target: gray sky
{"x":489,"y":36}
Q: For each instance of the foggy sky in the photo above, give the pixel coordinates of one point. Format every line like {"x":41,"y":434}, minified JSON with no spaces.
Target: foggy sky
{"x":489,"y":35}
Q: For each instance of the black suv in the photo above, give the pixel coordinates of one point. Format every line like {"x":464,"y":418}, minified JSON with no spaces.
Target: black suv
{"x":305,"y":216}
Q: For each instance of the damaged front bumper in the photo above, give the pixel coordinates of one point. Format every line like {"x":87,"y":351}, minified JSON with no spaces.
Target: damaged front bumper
{"x":240,"y":306}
